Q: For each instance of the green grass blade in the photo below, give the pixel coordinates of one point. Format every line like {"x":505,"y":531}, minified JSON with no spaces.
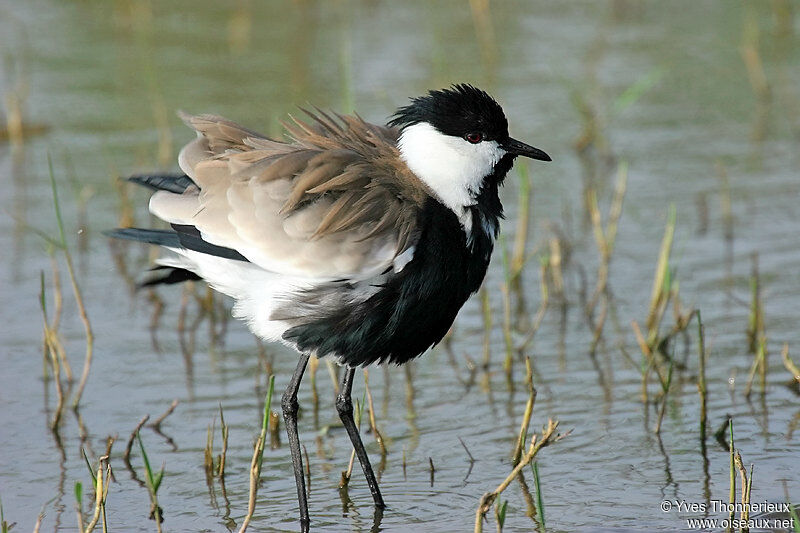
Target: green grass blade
{"x":638,"y":89}
{"x":539,"y":498}
{"x":159,"y":477}
{"x":56,"y":203}
{"x":501,"y":514}
{"x":89,"y":466}
{"x":147,"y":470}
{"x":268,"y":403}
{"x":79,"y":493}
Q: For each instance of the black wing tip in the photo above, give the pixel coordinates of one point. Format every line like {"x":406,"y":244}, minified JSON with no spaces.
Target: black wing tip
{"x":118,"y":233}
{"x":176,"y":182}
{"x":184,"y":237}
{"x":150,"y":236}
{"x":167,"y":275}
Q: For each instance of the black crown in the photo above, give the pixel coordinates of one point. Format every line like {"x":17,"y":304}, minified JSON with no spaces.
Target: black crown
{"x":457,"y":110}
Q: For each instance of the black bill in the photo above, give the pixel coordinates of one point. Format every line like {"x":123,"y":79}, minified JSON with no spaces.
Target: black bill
{"x":515,"y":147}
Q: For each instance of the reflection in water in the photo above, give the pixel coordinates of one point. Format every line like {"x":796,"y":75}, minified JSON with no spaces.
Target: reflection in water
{"x":156,"y":425}
{"x":411,"y":413}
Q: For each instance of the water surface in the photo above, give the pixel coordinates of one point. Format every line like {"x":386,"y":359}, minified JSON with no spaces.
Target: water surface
{"x":105,"y":78}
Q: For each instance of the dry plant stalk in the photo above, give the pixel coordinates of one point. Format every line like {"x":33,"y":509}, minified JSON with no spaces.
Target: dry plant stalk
{"x":486,"y":311}
{"x":526,"y":417}
{"x":15,"y":126}
{"x":649,"y":358}
{"x":509,"y":342}
{"x":332,"y":372}
{"x":746,"y":485}
{"x":240,"y":25}
{"x":519,"y":255}
{"x":346,"y":474}
{"x":544,"y":300}
{"x":75,"y":289}
{"x":58,"y":299}
{"x":726,"y":203}
{"x":224,"y":453}
{"x":732,"y":471}
{"x":58,"y":304}
{"x":53,"y":354}
{"x":307,"y":466}
{"x":592,"y":130}
{"x":126,"y":456}
{"x":701,"y":375}
{"x":664,"y":289}
{"x":664,"y":394}
{"x":101,"y":492}
{"x":755,"y":327}
{"x":59,"y":390}
{"x":484,"y":30}
{"x":127,"y":217}
{"x":110,"y":440}
{"x":162,"y":115}
{"x":556,"y":261}
{"x":487,"y":500}
{"x":606,"y":237}
{"x":87,"y":363}
{"x":640,"y":340}
{"x":313,"y":366}
{"x":156,"y":424}
{"x":258,"y":457}
{"x":760,"y":364}
{"x":208,"y":451}
{"x":660,"y":294}
{"x":755,"y":71}
{"x":789,"y":364}
{"x":344,"y":481}
{"x":372,"y":423}
{"x":756,"y":74}
{"x":274,"y":427}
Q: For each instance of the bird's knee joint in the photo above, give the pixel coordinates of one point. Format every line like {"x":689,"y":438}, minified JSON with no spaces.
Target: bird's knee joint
{"x":344,"y":405}
{"x":289,"y":405}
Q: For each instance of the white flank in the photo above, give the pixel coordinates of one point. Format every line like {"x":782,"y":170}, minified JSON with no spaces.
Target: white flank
{"x":451,"y":166}
{"x":257,"y":292}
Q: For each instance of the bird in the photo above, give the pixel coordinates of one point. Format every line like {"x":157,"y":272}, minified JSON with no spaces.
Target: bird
{"x":344,"y":239}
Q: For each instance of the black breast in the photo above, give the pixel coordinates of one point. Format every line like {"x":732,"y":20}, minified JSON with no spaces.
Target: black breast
{"x":413,"y":309}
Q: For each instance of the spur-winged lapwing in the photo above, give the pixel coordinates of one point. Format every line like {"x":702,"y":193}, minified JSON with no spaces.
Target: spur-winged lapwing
{"x":346,"y":240}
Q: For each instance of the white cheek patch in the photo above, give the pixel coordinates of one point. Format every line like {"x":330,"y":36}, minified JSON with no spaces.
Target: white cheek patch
{"x":451,"y":166}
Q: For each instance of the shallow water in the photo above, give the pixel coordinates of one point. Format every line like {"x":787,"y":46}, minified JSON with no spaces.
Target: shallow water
{"x":105,"y":79}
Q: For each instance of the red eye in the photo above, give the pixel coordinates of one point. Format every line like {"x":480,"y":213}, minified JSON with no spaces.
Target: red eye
{"x":474,"y":137}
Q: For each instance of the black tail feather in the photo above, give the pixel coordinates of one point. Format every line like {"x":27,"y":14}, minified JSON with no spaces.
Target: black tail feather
{"x":176,"y":183}
{"x":167,"y":275}
{"x":160,"y":237}
{"x":185,"y":237}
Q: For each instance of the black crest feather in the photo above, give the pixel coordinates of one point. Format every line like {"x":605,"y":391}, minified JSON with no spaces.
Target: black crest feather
{"x":459,"y":109}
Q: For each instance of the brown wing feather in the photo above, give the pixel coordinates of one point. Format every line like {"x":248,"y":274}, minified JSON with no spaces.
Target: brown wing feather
{"x":221,"y":134}
{"x":334,"y":194}
{"x":378,"y":173}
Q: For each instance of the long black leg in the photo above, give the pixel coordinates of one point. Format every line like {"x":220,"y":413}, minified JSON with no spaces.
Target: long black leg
{"x":290,"y":406}
{"x":344,"y":405}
